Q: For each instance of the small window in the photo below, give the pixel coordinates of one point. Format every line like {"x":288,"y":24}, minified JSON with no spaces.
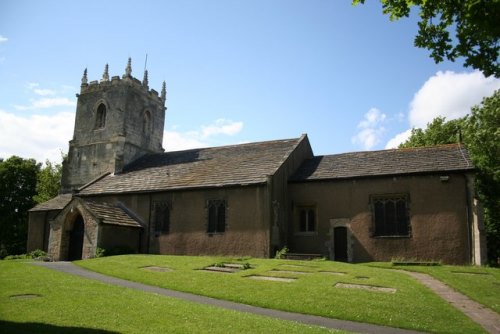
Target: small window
{"x":307,"y":219}
{"x":161,"y":217}
{"x":391,"y":215}
{"x":216,"y":216}
{"x":100,"y":117}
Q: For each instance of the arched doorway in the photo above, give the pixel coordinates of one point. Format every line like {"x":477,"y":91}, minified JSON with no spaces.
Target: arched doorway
{"x":340,"y":243}
{"x":76,"y":239}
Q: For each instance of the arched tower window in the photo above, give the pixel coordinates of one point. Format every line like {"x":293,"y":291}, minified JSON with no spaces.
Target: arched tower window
{"x":100,"y":117}
{"x":146,"y":123}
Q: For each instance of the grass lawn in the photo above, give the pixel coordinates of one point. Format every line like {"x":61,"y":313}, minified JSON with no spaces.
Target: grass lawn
{"x":412,"y":306}
{"x":481,"y":284}
{"x":69,"y":304}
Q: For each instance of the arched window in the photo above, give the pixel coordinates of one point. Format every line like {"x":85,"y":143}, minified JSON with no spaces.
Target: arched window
{"x":100,"y":117}
{"x":146,"y":122}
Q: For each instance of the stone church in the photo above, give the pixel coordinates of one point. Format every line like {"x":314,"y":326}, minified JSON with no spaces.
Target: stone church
{"x":122,"y":193}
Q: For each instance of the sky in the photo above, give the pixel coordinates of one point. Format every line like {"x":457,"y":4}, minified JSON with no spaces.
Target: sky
{"x":236,"y":71}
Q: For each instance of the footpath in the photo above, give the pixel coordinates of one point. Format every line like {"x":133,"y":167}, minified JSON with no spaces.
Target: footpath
{"x":487,"y":318}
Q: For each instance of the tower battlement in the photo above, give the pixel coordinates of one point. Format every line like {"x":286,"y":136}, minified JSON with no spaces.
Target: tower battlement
{"x":127,"y":79}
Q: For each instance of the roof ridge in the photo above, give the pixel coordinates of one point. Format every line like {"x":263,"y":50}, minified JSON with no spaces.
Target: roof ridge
{"x":402,"y":149}
{"x":234,"y":145}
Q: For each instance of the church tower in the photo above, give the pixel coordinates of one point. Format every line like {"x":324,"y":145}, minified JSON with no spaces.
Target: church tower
{"x":117,"y":121}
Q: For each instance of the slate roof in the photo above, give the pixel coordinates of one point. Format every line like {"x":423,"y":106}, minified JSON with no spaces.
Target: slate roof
{"x":112,"y":215}
{"x":198,"y":168}
{"x":433,"y":159}
{"x":56,"y":203}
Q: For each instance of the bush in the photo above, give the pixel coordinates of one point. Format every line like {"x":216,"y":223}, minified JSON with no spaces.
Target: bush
{"x":281,"y":253}
{"x":100,"y":252}
{"x":37,"y":254}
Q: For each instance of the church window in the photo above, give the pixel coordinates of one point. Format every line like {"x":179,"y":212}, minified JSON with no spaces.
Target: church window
{"x":306,"y":219}
{"x":391,"y":215}
{"x":216,"y":216}
{"x":100,"y":117}
{"x":161,"y":217}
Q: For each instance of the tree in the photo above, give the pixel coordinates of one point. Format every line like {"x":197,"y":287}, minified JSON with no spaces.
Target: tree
{"x":481,"y":135}
{"x":437,"y":132}
{"x":49,"y":182}
{"x":474,"y":22}
{"x":18,"y":178}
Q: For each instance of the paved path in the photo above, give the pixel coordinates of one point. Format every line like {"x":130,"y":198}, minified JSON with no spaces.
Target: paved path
{"x":487,"y":318}
{"x":357,"y":327}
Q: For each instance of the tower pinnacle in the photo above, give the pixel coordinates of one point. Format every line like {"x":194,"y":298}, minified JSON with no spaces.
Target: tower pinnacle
{"x":145,"y":80}
{"x":84,"y":77}
{"x":164,"y":92}
{"x":128,"y":69}
{"x":105,"y":75}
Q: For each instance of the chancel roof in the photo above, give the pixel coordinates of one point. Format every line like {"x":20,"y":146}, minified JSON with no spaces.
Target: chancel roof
{"x":243,"y":164}
{"x":432,"y":159}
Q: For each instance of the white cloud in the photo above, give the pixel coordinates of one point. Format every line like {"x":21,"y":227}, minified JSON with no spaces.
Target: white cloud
{"x":34,"y":86}
{"x":447,"y":94}
{"x":222,"y":126}
{"x":450,"y":95}
{"x":3,"y":39}
{"x":36,"y":136}
{"x":398,"y":139}
{"x":178,"y":140}
{"x":371,"y":129}
{"x":45,"y":103}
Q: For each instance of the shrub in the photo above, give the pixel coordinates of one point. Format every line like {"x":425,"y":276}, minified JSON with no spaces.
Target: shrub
{"x":281,"y":253}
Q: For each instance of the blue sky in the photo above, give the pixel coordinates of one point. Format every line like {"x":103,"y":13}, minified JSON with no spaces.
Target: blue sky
{"x":236,"y":71}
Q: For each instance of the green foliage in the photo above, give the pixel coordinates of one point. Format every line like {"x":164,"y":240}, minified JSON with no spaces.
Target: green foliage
{"x":48,"y":182}
{"x":480,"y":133}
{"x":474,"y":24}
{"x":18,"y":178}
{"x":483,"y":142}
{"x":37,"y":254}
{"x":34,"y":255}
{"x":437,"y":132}
{"x":281,"y":253}
{"x":100,"y":252}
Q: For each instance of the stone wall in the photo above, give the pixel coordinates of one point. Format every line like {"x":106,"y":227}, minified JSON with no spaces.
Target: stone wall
{"x":438,"y":218}
{"x":247,"y":221}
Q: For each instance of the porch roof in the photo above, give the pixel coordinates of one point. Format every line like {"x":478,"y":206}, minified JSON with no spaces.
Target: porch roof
{"x":112,"y":214}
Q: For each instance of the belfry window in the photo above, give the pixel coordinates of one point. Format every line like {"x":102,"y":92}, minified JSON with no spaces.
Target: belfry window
{"x":100,"y":116}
